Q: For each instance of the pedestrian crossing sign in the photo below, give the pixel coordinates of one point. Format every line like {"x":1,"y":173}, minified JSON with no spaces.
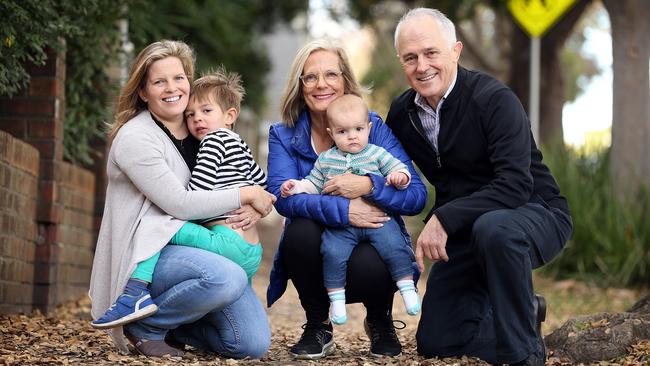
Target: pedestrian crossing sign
{"x":537,"y":16}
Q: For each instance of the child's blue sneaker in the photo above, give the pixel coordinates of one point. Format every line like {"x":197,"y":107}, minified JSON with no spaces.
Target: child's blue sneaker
{"x":126,"y":309}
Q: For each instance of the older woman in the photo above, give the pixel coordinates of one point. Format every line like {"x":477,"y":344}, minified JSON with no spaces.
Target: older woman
{"x":148,"y":169}
{"x":320,"y":73}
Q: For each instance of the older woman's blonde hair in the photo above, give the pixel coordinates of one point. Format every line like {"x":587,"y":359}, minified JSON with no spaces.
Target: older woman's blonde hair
{"x":129,"y":103}
{"x":292,"y":101}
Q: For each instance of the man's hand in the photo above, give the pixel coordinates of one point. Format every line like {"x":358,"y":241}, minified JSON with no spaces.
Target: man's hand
{"x":348,"y":185}
{"x":431,"y":243}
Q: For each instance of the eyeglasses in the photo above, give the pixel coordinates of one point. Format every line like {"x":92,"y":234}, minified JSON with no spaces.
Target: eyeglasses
{"x":311,"y":79}
{"x":411,"y":60}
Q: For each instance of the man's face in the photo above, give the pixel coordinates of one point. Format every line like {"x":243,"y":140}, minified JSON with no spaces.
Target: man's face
{"x":428,"y":59}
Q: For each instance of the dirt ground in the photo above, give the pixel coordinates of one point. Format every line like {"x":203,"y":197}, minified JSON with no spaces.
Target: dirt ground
{"x":66,"y":338}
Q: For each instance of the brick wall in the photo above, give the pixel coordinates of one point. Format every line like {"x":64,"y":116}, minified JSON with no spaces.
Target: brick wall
{"x":64,"y":207}
{"x":18,"y":229}
{"x":75,"y":236}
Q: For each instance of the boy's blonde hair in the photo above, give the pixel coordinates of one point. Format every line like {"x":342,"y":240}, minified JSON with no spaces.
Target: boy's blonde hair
{"x":221,"y":87}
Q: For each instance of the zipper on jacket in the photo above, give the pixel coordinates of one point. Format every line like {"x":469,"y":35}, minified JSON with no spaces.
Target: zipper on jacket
{"x":438,"y":162}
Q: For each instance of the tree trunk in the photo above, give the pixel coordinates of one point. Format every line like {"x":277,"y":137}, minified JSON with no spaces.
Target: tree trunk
{"x":630,"y":162}
{"x":519,"y":79}
{"x":552,"y":88}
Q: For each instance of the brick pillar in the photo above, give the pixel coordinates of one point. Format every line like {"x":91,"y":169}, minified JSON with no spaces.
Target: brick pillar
{"x":18,"y":228}
{"x":36,"y":116}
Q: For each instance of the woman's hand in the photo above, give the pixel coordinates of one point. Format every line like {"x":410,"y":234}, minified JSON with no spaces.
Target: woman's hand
{"x":348,"y":185}
{"x":364,"y":214}
{"x":261,"y":200}
{"x":245,"y":217}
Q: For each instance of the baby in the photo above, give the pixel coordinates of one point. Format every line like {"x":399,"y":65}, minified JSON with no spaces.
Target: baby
{"x":349,"y":127}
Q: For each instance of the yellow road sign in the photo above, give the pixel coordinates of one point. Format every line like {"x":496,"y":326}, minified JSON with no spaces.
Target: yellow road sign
{"x":537,"y":16}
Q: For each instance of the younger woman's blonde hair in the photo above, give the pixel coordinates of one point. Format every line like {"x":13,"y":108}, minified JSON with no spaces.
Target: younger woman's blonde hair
{"x":129,"y":103}
{"x":221,"y":87}
{"x":292,"y":101}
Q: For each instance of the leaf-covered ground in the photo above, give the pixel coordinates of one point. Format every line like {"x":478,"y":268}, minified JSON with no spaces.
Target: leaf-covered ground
{"x":65,"y":337}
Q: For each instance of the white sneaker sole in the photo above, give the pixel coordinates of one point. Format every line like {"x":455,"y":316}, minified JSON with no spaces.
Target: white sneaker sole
{"x":140,"y":314}
{"x":328,"y":349}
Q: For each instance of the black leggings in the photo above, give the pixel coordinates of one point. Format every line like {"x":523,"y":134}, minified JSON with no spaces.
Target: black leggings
{"x":368,"y":280}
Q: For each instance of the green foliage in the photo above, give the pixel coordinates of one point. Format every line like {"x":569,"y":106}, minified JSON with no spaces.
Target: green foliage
{"x":611,"y":238}
{"x":27,"y":29}
{"x":88,"y":87}
{"x":87,"y":32}
{"x":221,"y":33}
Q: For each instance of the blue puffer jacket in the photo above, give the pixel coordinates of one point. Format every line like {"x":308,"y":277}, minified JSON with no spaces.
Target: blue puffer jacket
{"x":291,"y":156}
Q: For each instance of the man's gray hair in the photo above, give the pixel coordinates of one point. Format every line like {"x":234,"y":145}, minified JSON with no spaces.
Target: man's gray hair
{"x":446,"y":25}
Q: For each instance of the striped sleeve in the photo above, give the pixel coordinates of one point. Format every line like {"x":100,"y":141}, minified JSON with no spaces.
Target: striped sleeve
{"x":208,"y":161}
{"x":388,"y":163}
{"x":255,"y":172}
{"x":316,"y":176}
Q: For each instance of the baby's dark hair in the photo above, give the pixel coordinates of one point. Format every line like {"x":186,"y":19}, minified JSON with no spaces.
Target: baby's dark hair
{"x":220,"y":86}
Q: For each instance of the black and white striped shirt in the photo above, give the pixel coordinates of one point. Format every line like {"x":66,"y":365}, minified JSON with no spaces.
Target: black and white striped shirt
{"x":225,"y":161}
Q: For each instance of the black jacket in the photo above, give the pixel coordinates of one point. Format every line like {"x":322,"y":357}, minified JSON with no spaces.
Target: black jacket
{"x":487,"y":158}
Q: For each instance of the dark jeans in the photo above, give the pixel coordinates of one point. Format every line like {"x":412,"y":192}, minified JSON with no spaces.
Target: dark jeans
{"x":388,"y":241}
{"x":480,"y":302}
{"x":368,"y":279}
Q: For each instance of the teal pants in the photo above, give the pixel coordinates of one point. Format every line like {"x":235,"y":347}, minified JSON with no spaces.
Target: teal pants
{"x":217,"y":239}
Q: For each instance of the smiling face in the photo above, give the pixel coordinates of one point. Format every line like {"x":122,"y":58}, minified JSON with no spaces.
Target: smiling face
{"x":428,"y":59}
{"x":319,"y":96}
{"x":205,"y":116}
{"x":349,"y":128}
{"x":166,"y":89}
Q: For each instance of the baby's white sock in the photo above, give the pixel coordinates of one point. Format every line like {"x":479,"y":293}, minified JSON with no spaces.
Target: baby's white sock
{"x":337,"y":308}
{"x":410,"y":296}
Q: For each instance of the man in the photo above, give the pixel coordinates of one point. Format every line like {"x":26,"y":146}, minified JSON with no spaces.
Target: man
{"x":498,"y":212}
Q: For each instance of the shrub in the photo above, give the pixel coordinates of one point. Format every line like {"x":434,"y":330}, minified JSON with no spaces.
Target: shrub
{"x":611,"y":239}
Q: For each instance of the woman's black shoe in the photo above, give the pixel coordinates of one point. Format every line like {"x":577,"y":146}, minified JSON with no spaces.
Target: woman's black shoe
{"x":316,"y":341}
{"x":383,"y":339}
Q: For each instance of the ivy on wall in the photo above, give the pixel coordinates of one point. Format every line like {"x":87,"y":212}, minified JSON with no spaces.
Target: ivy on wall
{"x":27,"y":28}
{"x":88,"y":88}
{"x":221,"y":32}
{"x":87,"y":32}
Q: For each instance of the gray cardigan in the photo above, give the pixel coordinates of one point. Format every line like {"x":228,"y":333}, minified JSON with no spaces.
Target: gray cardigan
{"x":146,"y":203}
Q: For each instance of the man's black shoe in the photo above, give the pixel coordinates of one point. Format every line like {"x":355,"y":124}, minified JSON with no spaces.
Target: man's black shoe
{"x":537,"y":358}
{"x":383,"y":340}
{"x":316,"y":341}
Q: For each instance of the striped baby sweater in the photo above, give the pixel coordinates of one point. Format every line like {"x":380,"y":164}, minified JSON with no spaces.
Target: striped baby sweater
{"x":372,"y":159}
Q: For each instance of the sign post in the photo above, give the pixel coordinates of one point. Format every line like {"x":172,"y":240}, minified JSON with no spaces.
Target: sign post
{"x":536,"y":17}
